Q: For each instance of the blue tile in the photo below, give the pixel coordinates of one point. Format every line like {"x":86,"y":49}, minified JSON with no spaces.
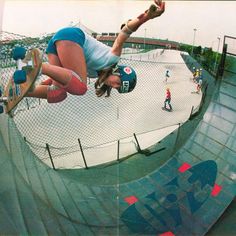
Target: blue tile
{"x":189,"y":225}
{"x":186,"y":156}
{"x":210,"y":212}
{"x":208,"y":143}
{"x":228,"y":89}
{"x":219,"y":123}
{"x":227,"y":184}
{"x":168,"y":171}
{"x":214,"y":133}
{"x":226,"y":168}
{"x":223,"y":197}
{"x":224,"y":112}
{"x":110,"y":190}
{"x":233,"y":133}
{"x":194,"y":148}
{"x":182,"y":231}
{"x":125,"y":191}
{"x":228,"y":155}
{"x":174,"y":163}
{"x":148,"y":185}
{"x":225,"y":100}
{"x":231,"y":143}
{"x":137,"y":188}
{"x":207,"y":155}
{"x":158,"y":178}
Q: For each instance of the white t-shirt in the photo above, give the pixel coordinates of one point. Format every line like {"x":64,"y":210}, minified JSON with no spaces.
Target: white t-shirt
{"x":97,"y":55}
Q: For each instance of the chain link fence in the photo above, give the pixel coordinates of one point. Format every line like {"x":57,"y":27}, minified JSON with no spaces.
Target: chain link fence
{"x":85,"y":130}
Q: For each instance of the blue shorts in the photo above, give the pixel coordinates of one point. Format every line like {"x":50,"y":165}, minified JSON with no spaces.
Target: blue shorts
{"x":70,"y":33}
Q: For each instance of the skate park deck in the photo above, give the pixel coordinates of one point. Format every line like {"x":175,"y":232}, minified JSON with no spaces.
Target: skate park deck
{"x":143,"y":195}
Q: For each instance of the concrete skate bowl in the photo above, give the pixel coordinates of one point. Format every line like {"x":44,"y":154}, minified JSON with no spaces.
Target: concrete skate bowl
{"x":179,"y":186}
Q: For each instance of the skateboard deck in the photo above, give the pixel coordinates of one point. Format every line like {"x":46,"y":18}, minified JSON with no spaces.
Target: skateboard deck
{"x":166,"y":109}
{"x":14,"y":93}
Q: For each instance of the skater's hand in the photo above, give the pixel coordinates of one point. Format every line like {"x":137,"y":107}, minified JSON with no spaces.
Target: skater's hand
{"x":156,"y":9}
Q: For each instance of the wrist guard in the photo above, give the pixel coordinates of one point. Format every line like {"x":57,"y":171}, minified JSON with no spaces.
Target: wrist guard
{"x":125,"y":29}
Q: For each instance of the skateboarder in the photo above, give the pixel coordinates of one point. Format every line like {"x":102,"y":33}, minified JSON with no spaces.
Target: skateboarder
{"x":73,"y":55}
{"x":199,"y":85}
{"x":168,"y":100}
{"x":196,"y":76}
{"x":167,"y":75}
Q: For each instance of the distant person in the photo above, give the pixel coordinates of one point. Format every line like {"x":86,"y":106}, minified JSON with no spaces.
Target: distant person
{"x":167,"y":75}
{"x":73,"y":55}
{"x":199,"y":85}
{"x":167,"y":100}
{"x":193,"y":73}
{"x":196,"y":76}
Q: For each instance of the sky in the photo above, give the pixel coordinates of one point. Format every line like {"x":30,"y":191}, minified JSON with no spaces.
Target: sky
{"x":211,"y":19}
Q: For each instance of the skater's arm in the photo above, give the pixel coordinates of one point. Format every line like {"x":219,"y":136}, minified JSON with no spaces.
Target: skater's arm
{"x":131,"y":26}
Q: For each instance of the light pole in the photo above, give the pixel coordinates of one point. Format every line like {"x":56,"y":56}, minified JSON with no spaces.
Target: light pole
{"x":144,"y":41}
{"x":194,"y":35}
{"x":217,"y":52}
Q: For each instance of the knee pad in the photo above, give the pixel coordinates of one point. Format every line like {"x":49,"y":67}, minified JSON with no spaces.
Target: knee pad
{"x":75,"y":86}
{"x":55,"y":94}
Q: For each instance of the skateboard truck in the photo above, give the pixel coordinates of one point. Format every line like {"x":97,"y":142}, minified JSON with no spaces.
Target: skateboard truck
{"x":3,"y":99}
{"x":18,"y":55}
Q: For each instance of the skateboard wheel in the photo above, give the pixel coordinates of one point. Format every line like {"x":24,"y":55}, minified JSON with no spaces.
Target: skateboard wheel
{"x":19,"y":76}
{"x":1,"y":109}
{"x":18,"y":53}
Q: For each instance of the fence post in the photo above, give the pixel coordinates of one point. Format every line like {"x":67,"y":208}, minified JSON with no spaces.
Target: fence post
{"x":27,"y":103}
{"x":191,"y":112}
{"x":221,"y":66}
{"x":177,"y":137}
{"x":82,"y":154}
{"x":118,"y":150}
{"x":138,"y":146}
{"x":50,"y":156}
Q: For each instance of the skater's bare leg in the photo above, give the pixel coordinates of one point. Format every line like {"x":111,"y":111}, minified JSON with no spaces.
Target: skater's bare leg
{"x":39,"y":91}
{"x":53,"y":60}
{"x":71,"y":56}
{"x":59,"y":74}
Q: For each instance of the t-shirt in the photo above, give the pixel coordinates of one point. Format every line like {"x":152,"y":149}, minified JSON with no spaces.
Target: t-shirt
{"x":97,"y":55}
{"x":168,"y":95}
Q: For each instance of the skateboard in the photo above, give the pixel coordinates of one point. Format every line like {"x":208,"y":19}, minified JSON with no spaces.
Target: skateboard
{"x":166,"y":109}
{"x":28,"y":64}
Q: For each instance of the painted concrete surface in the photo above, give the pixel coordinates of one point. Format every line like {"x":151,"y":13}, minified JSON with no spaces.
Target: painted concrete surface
{"x":183,"y":196}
